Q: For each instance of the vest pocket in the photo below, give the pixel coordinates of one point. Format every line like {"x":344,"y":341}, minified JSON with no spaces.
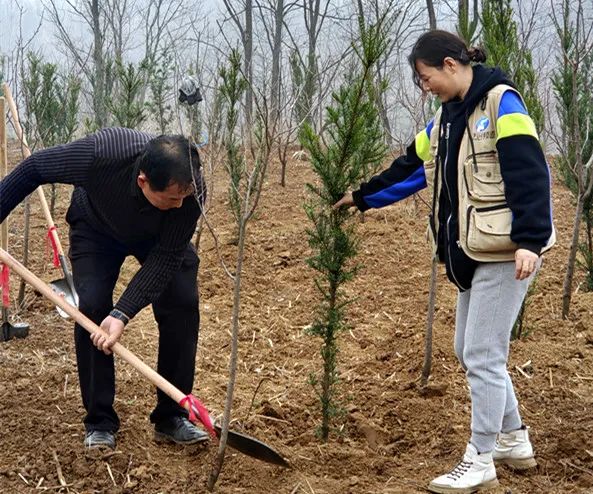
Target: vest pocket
{"x":429,"y":173}
{"x":489,"y":229}
{"x":483,"y":178}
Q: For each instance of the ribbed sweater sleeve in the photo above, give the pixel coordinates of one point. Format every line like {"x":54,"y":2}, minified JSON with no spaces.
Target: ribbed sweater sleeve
{"x":163,"y":261}
{"x":65,"y":164}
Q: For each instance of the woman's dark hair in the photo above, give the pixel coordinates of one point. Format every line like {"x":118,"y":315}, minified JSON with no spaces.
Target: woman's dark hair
{"x":434,"y":46}
{"x":169,"y":160}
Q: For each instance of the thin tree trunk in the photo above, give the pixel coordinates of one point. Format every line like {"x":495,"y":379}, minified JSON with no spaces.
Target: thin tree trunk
{"x":199,"y":229}
{"x":53,"y":199}
{"x":567,"y":287}
{"x":21,"y":296}
{"x":329,"y":365}
{"x":432,"y":293}
{"x":312,"y":19}
{"x":282,"y":152}
{"x":584,"y":189}
{"x":99,"y":72}
{"x":432,"y":18}
{"x":276,"y":54}
{"x":385,"y":119}
{"x":233,"y":359}
{"x":248,"y":65}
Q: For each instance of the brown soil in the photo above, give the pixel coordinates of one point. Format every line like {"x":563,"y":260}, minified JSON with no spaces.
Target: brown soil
{"x":393,"y":437}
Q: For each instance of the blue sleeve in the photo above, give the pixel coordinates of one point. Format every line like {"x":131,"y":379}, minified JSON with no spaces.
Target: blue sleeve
{"x":403,"y":178}
{"x":511,"y":103}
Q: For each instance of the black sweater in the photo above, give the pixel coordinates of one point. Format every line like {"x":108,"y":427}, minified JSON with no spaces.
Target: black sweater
{"x":102,"y":169}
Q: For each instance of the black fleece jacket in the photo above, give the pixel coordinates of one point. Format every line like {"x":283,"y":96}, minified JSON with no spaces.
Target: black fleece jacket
{"x":524,"y":170}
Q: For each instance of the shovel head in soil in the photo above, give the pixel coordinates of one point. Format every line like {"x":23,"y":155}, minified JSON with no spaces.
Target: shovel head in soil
{"x":243,"y":443}
{"x":62,"y":288}
{"x":9,"y":331}
{"x":252,"y":447}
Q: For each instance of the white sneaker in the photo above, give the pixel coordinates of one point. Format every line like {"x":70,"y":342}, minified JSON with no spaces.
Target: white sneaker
{"x":514,"y":449}
{"x":476,"y":472}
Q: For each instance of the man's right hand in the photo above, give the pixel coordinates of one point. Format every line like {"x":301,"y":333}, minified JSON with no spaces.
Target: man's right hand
{"x":114,"y":329}
{"x":347,"y":201}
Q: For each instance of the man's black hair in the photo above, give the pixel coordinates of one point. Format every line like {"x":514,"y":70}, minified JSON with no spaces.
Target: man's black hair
{"x":169,"y":160}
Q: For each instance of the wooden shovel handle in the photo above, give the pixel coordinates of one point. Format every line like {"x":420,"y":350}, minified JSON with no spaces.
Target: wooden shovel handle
{"x":155,"y":378}
{"x":240,"y":442}
{"x":3,"y":169}
{"x":27,"y":152}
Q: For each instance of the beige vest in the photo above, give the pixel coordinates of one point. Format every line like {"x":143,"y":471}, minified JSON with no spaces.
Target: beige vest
{"x":484,"y":215}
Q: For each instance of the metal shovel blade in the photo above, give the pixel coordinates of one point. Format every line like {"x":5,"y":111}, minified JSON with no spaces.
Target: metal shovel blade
{"x":17,"y":330}
{"x":253,"y":447}
{"x":62,"y":288}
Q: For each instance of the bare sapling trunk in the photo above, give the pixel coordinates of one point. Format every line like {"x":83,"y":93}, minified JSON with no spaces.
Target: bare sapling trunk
{"x":432,"y":293}
{"x":226,"y":420}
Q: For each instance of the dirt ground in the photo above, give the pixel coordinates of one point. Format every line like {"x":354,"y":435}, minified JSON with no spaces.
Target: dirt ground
{"x":391,"y":439}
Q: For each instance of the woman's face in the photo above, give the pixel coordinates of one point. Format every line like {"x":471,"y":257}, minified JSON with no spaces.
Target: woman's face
{"x":440,"y":81}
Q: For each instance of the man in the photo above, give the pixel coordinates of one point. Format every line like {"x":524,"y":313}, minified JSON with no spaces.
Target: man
{"x":135,"y":194}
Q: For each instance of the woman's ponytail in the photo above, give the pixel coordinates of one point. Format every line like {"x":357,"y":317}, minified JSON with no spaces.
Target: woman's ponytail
{"x":477,"y":54}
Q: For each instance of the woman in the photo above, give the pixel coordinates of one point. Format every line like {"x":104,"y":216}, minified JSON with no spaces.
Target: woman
{"x":490,"y":221}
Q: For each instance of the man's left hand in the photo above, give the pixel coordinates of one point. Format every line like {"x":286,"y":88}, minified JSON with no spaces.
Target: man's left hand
{"x":114,"y":329}
{"x":525,"y":263}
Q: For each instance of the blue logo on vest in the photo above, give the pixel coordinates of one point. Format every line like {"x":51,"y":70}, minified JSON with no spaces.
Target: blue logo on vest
{"x":482,"y":124}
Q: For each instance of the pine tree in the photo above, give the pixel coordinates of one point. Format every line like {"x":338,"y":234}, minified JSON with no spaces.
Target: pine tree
{"x":354,"y":144}
{"x":297,"y":75}
{"x":232,"y":88}
{"x":52,"y":101}
{"x":125,"y":104}
{"x":501,"y":41}
{"x":572,"y":88}
{"x":160,"y":88}
{"x":467,"y":28}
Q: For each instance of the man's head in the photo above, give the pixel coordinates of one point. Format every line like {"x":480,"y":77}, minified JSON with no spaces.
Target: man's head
{"x":167,"y":169}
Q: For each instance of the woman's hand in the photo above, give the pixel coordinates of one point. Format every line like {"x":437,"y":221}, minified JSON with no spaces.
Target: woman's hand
{"x":347,"y":201}
{"x":525,"y":263}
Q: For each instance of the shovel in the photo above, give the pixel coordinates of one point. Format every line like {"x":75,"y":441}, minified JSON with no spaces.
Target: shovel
{"x":64,"y":287}
{"x":8,"y":331}
{"x":241,"y":442}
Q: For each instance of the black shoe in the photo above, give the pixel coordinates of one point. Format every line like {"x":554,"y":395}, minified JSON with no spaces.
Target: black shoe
{"x":178,"y":430}
{"x":99,"y":439}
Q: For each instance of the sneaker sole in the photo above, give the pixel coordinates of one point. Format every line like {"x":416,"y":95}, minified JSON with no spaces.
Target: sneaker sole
{"x":441,"y":489}
{"x":160,"y":437}
{"x":517,"y":463}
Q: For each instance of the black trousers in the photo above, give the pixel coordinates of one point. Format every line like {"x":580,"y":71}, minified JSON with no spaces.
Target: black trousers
{"x":96,"y":262}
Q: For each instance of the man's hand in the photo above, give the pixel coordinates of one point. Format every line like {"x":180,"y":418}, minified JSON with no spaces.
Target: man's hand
{"x":346,"y":201}
{"x":525,"y":263}
{"x":114,"y":329}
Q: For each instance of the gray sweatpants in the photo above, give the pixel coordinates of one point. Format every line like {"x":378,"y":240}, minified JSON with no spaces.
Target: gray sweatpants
{"x":485,"y":317}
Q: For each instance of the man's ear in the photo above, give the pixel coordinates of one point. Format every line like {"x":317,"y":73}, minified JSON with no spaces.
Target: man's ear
{"x":142,"y":180}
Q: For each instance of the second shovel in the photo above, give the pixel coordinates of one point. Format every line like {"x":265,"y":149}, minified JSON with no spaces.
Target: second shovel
{"x":64,"y":287}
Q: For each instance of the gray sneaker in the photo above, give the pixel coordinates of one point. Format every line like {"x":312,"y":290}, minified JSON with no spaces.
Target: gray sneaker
{"x":99,"y":439}
{"x":179,"y":430}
